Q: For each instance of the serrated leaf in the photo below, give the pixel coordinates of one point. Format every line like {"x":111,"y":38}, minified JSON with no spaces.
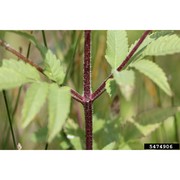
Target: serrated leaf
{"x":33,"y":40}
{"x":22,"y":68}
{"x":34,"y":100}
{"x":126,"y":80}
{"x":59,"y":106}
{"x":53,"y":68}
{"x":111,"y":87}
{"x":16,"y":73}
{"x":156,"y":115}
{"x":164,"y":45}
{"x":148,"y":40}
{"x":155,"y":73}
{"x":110,"y":146}
{"x":117,"y":47}
{"x":9,"y":78}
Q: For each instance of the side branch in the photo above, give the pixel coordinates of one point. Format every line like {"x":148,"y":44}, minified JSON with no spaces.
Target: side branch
{"x":101,"y":88}
{"x":19,"y":55}
{"x":75,"y":95}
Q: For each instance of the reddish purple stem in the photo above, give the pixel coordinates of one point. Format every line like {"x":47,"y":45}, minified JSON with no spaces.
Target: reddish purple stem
{"x":87,"y":89}
{"x":101,"y":88}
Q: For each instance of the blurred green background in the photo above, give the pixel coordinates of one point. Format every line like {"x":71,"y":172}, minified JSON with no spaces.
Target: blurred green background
{"x":109,"y":113}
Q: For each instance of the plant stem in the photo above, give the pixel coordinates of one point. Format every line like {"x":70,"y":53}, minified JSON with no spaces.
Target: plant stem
{"x":87,"y":66}
{"x":17,"y":101}
{"x":101,"y":88}
{"x":87,"y":89}
{"x":19,"y":91}
{"x":75,"y":95}
{"x":44,"y":38}
{"x":19,"y":55}
{"x":46,"y":146}
{"x":10,"y":120}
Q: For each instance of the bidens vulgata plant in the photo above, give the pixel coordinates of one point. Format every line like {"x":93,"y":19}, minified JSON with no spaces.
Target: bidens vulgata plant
{"x":47,"y":82}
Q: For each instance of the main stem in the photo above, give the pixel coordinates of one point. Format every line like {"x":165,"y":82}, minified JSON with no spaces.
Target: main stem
{"x":87,"y":101}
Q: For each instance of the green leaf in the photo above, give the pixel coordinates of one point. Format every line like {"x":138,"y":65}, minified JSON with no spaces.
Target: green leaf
{"x":164,"y":45}
{"x":34,"y":100}
{"x":148,"y":40}
{"x":105,"y":130}
{"x":110,"y":146}
{"x":75,"y":141}
{"x":16,"y":73}
{"x":40,"y":135}
{"x":9,"y":78}
{"x":156,"y":115}
{"x":74,"y":134}
{"x":98,"y":124}
{"x":145,"y":123}
{"x":53,"y":68}
{"x":155,"y":73}
{"x":126,"y":80}
{"x":124,"y":146}
{"x":136,"y":144}
{"x":111,"y":87}
{"x":59,"y":106}
{"x":129,"y":131}
{"x":147,"y":129}
{"x":33,"y":40}
{"x":22,"y":68}
{"x":117,"y":47}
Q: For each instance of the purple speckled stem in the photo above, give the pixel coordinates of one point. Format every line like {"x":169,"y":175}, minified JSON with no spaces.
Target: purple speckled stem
{"x":101,"y":88}
{"x":87,"y":89}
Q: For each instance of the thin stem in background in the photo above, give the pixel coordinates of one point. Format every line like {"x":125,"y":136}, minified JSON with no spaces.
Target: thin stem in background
{"x":44,"y":38}
{"x":46,"y":146}
{"x":87,"y":89}
{"x":19,"y":92}
{"x":10,"y":120}
{"x":17,"y":101}
{"x":101,"y":88}
{"x":74,"y":47}
{"x":71,"y":57}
